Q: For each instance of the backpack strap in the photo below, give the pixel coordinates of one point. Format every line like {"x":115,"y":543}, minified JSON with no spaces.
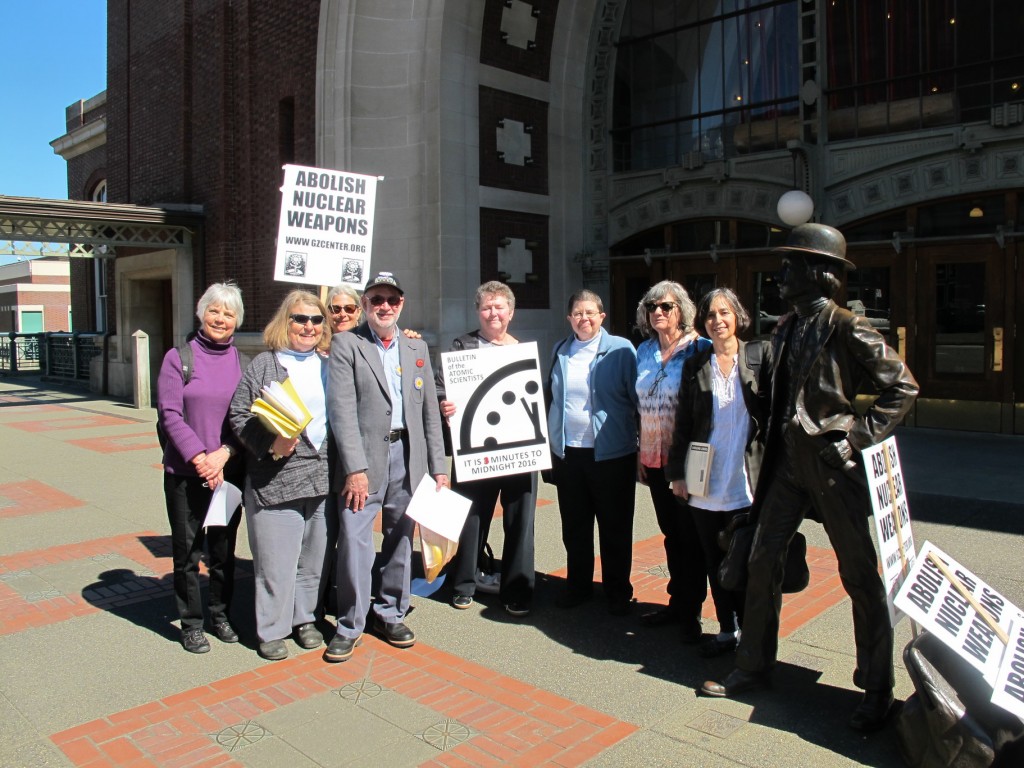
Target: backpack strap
{"x":187,"y":361}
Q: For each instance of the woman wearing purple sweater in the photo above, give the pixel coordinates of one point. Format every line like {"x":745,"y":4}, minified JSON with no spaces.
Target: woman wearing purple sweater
{"x":201,"y":452}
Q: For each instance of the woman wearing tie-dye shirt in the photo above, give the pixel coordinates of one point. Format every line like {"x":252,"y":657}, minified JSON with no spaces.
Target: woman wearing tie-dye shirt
{"x":666,"y":314}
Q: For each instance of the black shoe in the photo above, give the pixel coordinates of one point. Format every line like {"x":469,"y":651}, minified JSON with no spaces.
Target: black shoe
{"x":273,"y":650}
{"x":872,"y":712}
{"x":225,"y":632}
{"x":661,"y":616}
{"x":739,"y":681}
{"x":713,"y":647}
{"x":571,"y":598}
{"x":194,"y":641}
{"x":462,"y":602}
{"x":517,"y":609}
{"x":397,"y":634}
{"x":308,"y":636}
{"x":341,"y":648}
{"x":691,"y":633}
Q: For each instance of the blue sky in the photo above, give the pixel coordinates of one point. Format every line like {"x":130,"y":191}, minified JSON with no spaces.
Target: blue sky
{"x":55,"y":53}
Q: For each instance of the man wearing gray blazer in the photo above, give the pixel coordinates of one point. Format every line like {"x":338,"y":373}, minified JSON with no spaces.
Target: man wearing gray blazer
{"x":384,"y":417}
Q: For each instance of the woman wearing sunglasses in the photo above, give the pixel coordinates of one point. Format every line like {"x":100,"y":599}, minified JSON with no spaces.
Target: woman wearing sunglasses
{"x":343,"y":304}
{"x":287,"y":479}
{"x":665,"y":315}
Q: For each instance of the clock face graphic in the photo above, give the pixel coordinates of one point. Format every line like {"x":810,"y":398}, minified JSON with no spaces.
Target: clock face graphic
{"x":504,"y":411}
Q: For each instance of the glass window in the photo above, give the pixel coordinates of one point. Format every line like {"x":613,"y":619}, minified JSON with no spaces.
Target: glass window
{"x":702,"y":73}
{"x":918,"y":63}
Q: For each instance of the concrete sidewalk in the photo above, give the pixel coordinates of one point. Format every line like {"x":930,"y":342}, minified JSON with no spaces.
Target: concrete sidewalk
{"x":92,"y":674}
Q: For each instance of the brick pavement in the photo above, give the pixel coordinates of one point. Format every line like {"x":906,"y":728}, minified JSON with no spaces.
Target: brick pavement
{"x":437,"y":707}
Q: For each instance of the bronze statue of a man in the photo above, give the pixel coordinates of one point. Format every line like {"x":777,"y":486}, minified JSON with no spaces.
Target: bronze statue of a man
{"x":821,"y":357}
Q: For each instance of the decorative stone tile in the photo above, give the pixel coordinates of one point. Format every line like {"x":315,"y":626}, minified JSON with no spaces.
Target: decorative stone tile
{"x":242,"y":735}
{"x":716,"y":724}
{"x":446,"y":735}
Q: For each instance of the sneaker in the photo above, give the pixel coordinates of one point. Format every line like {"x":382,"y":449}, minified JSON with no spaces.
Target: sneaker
{"x":273,"y":650}
{"x":225,"y":632}
{"x":488,"y":583}
{"x":194,"y":641}
{"x":517,"y":609}
{"x":462,"y":602}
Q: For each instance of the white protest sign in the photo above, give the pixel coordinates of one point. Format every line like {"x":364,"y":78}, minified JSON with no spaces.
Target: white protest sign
{"x":1008,"y":692}
{"x":326,"y":227}
{"x":500,"y":425}
{"x":930,"y":599}
{"x":892,"y":517}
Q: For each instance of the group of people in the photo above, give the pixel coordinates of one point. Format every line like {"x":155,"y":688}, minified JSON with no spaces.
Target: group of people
{"x":779,"y":417}
{"x":310,"y":501}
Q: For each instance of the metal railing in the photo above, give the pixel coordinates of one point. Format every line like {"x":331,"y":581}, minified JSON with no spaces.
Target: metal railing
{"x":56,"y":355}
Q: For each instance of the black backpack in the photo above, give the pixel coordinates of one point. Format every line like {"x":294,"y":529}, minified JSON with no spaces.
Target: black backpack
{"x":187,"y":360}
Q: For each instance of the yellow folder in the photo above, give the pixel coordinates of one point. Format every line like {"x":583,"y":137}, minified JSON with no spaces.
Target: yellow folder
{"x":281,"y":410}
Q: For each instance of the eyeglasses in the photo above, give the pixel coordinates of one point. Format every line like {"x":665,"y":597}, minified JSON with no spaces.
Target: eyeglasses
{"x":377,"y":300}
{"x":665,"y":306}
{"x":657,"y":380}
{"x":348,"y":309}
{"x":590,"y":314}
{"x":303,"y":319}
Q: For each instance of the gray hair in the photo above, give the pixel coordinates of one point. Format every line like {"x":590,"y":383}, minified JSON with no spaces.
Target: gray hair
{"x":343,"y":290}
{"x":495,"y":288}
{"x":687,"y":309}
{"x":228,"y":295}
{"x":729,"y":297}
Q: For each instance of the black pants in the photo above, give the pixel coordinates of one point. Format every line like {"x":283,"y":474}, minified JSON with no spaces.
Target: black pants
{"x":728,"y":604}
{"x":187,"y":502}
{"x":687,"y":574}
{"x":843,"y":505}
{"x":604,"y":491}
{"x":518,"y":494}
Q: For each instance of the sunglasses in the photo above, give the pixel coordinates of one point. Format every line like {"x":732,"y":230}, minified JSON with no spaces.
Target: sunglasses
{"x":657,"y":380}
{"x":303,"y":319}
{"x":348,"y":309}
{"x":376,"y":301}
{"x":665,"y":306}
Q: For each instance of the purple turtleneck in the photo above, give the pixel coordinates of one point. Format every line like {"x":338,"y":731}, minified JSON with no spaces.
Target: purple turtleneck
{"x":215,"y":376}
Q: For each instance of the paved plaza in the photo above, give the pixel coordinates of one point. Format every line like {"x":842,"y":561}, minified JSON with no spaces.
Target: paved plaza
{"x":92,"y":673}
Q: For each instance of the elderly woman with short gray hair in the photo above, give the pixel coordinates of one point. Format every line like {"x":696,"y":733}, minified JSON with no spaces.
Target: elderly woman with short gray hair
{"x":665,"y":315}
{"x":200,"y":451}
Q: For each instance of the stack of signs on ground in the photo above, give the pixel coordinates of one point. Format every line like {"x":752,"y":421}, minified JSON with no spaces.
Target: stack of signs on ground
{"x":956,"y":614}
{"x":892,"y":517}
{"x":326,"y":227}
{"x":500,"y":423}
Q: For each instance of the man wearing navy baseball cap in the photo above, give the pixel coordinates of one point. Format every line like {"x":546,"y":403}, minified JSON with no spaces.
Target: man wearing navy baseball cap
{"x":386,"y":425}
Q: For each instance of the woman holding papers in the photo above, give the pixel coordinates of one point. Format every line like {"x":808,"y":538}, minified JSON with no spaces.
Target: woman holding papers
{"x":592,"y":429}
{"x":495,"y":305}
{"x":665,"y":315}
{"x":200,"y":452}
{"x":718,"y":406}
{"x":279,"y":413}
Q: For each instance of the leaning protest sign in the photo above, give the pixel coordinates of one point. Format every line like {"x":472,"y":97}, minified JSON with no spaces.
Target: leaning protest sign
{"x":326,"y":226}
{"x":1008,"y":692}
{"x":500,"y":424}
{"x":892,"y":518}
{"x":929,"y":597}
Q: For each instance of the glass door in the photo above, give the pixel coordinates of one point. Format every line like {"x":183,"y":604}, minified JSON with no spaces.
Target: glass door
{"x":961,"y":331}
